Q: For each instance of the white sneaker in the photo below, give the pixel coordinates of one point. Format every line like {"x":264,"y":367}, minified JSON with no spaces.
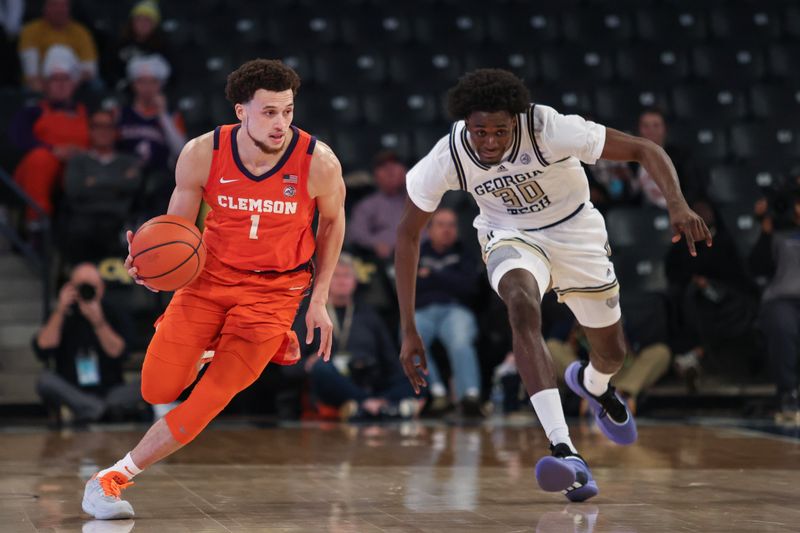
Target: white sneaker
{"x":101,"y":497}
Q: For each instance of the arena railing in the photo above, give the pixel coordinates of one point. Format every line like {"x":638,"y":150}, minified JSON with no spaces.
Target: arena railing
{"x":40,"y":259}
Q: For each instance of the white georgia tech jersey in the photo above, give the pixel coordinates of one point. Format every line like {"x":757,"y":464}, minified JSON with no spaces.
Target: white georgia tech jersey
{"x":538,"y":182}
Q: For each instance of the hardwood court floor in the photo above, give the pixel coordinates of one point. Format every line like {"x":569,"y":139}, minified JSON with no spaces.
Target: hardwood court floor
{"x":415,"y":477}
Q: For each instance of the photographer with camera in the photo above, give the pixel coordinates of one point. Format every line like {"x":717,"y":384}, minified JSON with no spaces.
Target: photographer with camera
{"x":776,"y":259}
{"x":83,"y":345}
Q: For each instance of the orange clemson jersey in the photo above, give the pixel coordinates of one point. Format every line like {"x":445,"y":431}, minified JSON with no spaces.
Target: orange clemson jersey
{"x":260,"y":223}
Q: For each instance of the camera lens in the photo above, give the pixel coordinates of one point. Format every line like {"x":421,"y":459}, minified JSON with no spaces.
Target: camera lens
{"x":86,"y":291}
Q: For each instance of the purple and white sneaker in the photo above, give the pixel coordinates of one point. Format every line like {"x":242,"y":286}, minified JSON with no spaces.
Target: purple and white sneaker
{"x":610,"y":411}
{"x":566,"y":472}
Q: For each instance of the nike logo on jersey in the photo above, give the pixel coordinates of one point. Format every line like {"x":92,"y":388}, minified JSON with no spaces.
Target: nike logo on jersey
{"x":223,"y":180}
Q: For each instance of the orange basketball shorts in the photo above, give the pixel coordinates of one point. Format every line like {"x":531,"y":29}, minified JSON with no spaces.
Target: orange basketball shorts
{"x":246,"y":317}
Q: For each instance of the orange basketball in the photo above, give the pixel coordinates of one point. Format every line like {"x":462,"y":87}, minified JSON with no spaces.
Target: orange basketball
{"x":169,"y":252}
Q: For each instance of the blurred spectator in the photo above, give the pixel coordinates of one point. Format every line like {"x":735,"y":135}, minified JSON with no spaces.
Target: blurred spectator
{"x":363,"y":378}
{"x":374,"y":221}
{"x":99,"y":189}
{"x":653,"y":126}
{"x":712,"y":293}
{"x":50,"y":132}
{"x":11,"y":12}
{"x":148,"y":130}
{"x":776,"y":256}
{"x":446,"y":282}
{"x":83,"y":345}
{"x":56,"y":27}
{"x":142,"y":36}
{"x":645,"y":363}
{"x":611,"y":183}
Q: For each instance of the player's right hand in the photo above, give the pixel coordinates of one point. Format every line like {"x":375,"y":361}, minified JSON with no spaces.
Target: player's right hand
{"x":133,"y":272}
{"x":412,"y":358}
{"x":67,"y":296}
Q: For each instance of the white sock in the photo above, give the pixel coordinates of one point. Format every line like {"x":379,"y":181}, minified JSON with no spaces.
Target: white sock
{"x":594,"y":381}
{"x":124,"y":466}
{"x":547,"y":404}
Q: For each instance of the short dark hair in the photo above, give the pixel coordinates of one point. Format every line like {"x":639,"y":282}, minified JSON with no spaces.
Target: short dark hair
{"x":268,"y":74}
{"x":489,"y":90}
{"x":653,"y":111}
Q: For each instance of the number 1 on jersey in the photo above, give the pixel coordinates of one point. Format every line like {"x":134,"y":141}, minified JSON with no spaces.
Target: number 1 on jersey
{"x":254,"y":226}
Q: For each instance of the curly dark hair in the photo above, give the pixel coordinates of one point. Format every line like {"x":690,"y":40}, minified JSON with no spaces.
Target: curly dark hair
{"x":489,"y":90}
{"x":269,"y":74}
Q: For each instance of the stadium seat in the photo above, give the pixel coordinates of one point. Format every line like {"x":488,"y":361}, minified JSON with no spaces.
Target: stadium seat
{"x":668,"y":25}
{"x":784,"y":61}
{"x":791,"y":22}
{"x":311,"y":30}
{"x":640,"y":270}
{"x":373,"y":26}
{"x":566,"y":101}
{"x":425,"y":138}
{"x":652,"y":64}
{"x":638,"y":227}
{"x":775,"y":101}
{"x":401,"y":108}
{"x":739,"y":65}
{"x":742,"y":225}
{"x":733,"y":185}
{"x":576,"y":65}
{"x":603,"y":24}
{"x":518,"y":60}
{"x":620,"y":106}
{"x":350,"y":69}
{"x":355,"y":147}
{"x":331,"y":107}
{"x":457,"y":24}
{"x":645,"y":314}
{"x":706,"y":143}
{"x":178,"y":31}
{"x":427,"y":66}
{"x":703,"y":102}
{"x":745,"y":22}
{"x":527,"y":20}
{"x":765,"y":141}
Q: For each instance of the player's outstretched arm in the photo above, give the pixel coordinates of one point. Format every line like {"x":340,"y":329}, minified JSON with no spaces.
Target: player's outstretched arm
{"x":325,"y":183}
{"x":406,"y":260}
{"x":623,"y":147}
{"x":191,"y":174}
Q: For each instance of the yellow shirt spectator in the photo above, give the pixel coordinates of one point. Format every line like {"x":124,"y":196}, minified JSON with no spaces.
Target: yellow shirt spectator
{"x":39,"y":35}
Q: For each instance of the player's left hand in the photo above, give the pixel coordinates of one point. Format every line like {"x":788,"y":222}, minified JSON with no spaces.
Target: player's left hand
{"x":317,"y":317}
{"x":686,"y":222}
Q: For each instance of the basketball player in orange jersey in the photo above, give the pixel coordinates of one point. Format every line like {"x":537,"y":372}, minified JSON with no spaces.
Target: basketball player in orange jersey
{"x":263,"y":179}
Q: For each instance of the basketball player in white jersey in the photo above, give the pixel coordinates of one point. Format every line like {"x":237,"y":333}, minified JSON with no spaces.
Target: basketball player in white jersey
{"x":538,"y":231}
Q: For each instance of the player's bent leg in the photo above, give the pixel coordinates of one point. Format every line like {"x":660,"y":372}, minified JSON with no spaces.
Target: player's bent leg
{"x":564,"y":471}
{"x":237,"y":364}
{"x":169,"y":367}
{"x":591,"y":380}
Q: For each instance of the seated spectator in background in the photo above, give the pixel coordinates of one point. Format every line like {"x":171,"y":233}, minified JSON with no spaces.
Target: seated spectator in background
{"x":83,"y":345}
{"x":611,"y":184}
{"x":56,"y":27}
{"x":148,"y":130}
{"x":653,"y":126}
{"x":645,"y":363}
{"x":141,"y":36}
{"x":712,"y":294}
{"x":11,"y":12}
{"x":363,"y":379}
{"x":446,"y":281}
{"x":99,"y":189}
{"x":373,"y":223}
{"x":776,"y":256}
{"x":50,"y":132}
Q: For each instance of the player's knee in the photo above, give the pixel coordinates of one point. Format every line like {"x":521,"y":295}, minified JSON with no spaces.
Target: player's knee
{"x":523,"y":307}
{"x":155,"y":392}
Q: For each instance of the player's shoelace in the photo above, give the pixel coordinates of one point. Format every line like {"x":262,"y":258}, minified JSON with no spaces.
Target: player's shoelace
{"x":113,"y":484}
{"x":612,"y":406}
